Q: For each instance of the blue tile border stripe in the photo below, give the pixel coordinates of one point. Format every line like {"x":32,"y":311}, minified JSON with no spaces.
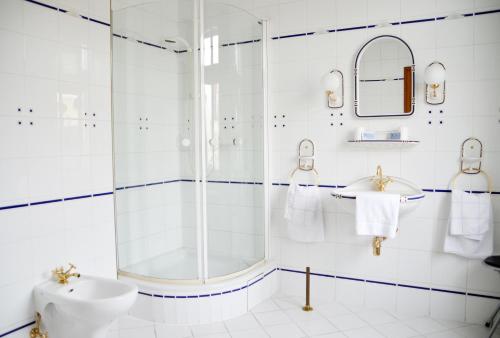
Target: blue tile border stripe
{"x":278,"y":37}
{"x":402,"y":285}
{"x":17,"y":329}
{"x":58,"y":200}
{"x":145,"y":185}
{"x":143,"y":293}
{"x":62,"y":10}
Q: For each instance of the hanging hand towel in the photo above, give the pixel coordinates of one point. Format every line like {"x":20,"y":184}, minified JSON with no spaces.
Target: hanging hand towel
{"x":469,"y":214}
{"x":469,"y":230}
{"x":377,"y":214}
{"x":304,"y":214}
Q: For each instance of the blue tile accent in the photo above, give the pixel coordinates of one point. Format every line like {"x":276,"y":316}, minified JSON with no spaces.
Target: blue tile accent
{"x":14,"y":206}
{"x":414,"y":287}
{"x":58,"y":200}
{"x":17,"y":329}
{"x":76,"y":197}
{"x":350,"y":28}
{"x":62,"y":10}
{"x":46,"y":202}
{"x":43,"y":5}
{"x":208,"y":295}
{"x":493,"y":11}
{"x":395,"y":284}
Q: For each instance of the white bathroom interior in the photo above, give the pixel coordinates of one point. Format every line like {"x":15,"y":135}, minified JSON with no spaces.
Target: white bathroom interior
{"x":249,"y":168}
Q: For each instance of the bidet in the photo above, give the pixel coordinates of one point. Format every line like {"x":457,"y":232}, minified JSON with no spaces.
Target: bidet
{"x":84,"y":307}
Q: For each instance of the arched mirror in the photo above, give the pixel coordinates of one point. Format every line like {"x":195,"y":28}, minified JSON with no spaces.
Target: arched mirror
{"x":384,"y":77}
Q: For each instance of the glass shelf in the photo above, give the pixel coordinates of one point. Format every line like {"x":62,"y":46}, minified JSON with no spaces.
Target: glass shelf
{"x":385,"y":143}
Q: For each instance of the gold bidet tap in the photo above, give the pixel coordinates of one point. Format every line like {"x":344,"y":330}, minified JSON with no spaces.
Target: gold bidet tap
{"x":380,"y":180}
{"x":63,"y":276}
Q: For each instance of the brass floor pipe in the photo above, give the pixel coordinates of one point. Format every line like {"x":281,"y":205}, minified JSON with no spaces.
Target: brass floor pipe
{"x":308,"y":306}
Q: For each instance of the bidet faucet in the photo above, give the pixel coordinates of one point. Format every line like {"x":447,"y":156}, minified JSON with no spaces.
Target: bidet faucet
{"x":63,"y":276}
{"x":381,"y":181}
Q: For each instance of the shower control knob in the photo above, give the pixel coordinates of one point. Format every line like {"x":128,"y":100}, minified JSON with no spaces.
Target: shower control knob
{"x":237,"y":141}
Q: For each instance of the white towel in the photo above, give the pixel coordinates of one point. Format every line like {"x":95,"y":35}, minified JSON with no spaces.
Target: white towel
{"x":377,"y":214}
{"x":469,"y":230}
{"x":304,"y":214}
{"x":469,"y":214}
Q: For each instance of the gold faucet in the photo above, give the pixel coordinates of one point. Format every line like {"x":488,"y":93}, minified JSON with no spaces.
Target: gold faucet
{"x":63,"y":276}
{"x":381,"y":181}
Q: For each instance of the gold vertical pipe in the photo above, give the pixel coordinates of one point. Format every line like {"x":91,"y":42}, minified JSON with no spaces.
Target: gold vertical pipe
{"x":308,"y":306}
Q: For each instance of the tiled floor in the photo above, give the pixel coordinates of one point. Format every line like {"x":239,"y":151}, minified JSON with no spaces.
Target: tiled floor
{"x":282,"y":317}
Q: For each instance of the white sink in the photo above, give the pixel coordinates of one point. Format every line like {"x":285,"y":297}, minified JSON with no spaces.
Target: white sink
{"x":411,"y":194}
{"x":83,"y":308}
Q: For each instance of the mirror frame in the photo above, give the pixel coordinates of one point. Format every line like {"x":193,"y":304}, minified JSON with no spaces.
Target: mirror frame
{"x":356,"y":80}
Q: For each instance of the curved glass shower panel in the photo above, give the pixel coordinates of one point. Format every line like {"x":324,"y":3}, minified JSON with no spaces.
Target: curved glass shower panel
{"x":154,"y":138}
{"x":188,"y":109}
{"x":233,"y":111}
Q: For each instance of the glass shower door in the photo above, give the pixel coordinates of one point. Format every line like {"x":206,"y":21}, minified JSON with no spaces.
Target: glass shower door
{"x":233,"y":112}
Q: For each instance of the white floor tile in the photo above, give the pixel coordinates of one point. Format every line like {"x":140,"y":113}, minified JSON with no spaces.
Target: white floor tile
{"x":347,"y":322}
{"x":444,"y":334}
{"x":143,"y":332}
{"x":425,"y":325}
{"x":376,"y":317}
{"x":266,"y":306}
{"x":272,"y":318}
{"x":299,"y":315}
{"x":331,"y":335}
{"x":284,"y":331}
{"x":364,"y":332}
{"x":242,"y":323}
{"x":283,"y":318}
{"x":172,"y":331}
{"x":396,"y":330}
{"x":332,"y":309}
{"x":257,"y":333}
{"x":208,"y":329}
{"x":317,"y":327}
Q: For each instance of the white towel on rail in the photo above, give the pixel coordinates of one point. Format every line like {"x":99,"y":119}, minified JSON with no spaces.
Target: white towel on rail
{"x":304,"y":213}
{"x":377,"y":214}
{"x":469,"y":230}
{"x":469,"y":214}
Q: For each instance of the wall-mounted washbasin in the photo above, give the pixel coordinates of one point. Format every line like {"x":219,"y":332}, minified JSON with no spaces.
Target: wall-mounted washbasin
{"x":411,"y":194}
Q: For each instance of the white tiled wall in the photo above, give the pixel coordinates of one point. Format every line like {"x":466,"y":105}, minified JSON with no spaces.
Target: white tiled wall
{"x":468,"y":47}
{"x":55,"y":143}
{"x":58,"y":66}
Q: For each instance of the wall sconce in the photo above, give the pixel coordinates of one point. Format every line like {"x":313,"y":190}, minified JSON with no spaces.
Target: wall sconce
{"x":333,"y":83}
{"x":435,"y":84}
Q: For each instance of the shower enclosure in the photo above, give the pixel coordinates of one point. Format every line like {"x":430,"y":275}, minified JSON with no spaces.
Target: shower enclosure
{"x":190,"y":157}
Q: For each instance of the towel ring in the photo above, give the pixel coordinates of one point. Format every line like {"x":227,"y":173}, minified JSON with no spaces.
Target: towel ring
{"x":488,"y":178}
{"x":316,"y":175}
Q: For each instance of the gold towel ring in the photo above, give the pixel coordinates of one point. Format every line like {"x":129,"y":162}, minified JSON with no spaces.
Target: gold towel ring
{"x":488,"y":178}
{"x":316,"y":175}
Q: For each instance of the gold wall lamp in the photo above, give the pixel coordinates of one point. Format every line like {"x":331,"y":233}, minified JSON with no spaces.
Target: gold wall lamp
{"x":435,"y":84}
{"x":333,"y":83}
